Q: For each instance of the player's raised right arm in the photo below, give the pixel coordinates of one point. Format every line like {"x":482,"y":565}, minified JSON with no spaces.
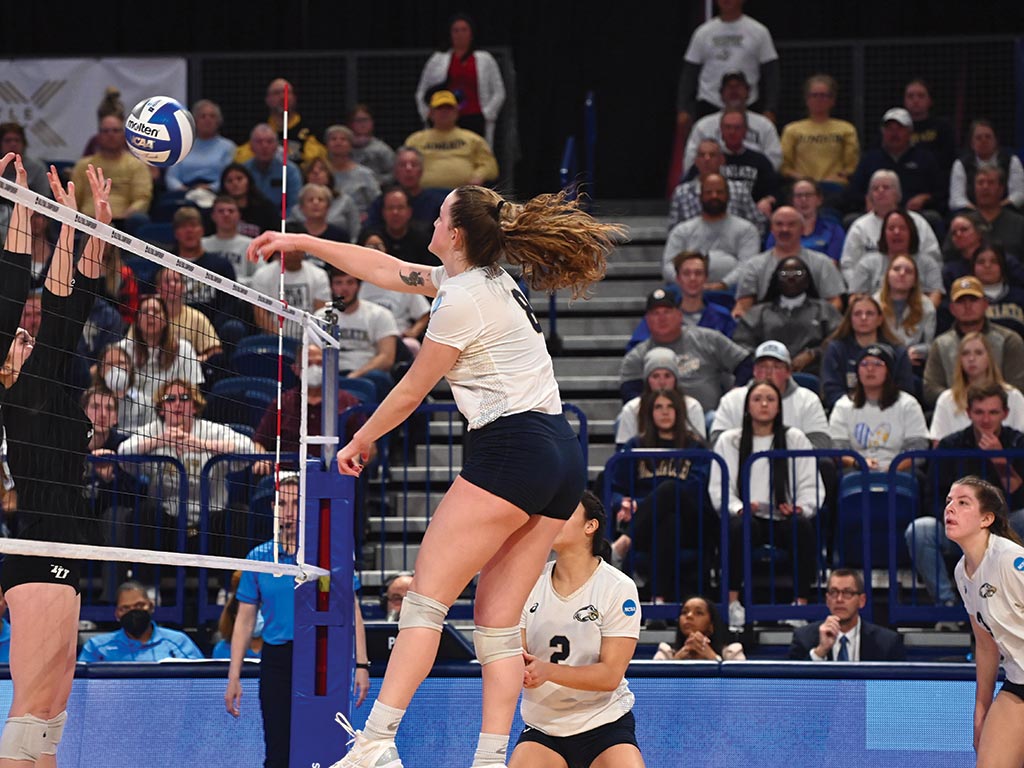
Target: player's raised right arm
{"x":367,"y":264}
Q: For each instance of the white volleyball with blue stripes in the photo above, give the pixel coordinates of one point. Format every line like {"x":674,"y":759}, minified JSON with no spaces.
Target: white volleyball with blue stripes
{"x":159,"y":131}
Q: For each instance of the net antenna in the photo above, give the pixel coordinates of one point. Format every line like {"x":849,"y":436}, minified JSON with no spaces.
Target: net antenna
{"x":311,"y":332}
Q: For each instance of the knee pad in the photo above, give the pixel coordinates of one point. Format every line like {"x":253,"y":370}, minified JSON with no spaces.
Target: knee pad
{"x":494,"y":644}
{"x":421,"y":611}
{"x":27,"y":737}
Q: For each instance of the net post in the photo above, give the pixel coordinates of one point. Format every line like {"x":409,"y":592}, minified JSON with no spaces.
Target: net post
{"x":324,"y":622}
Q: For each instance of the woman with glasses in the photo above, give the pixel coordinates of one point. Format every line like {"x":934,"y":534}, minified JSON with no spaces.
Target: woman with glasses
{"x":179,"y":433}
{"x":844,"y":635}
{"x":863,"y":325}
{"x":909,"y":314}
{"x":821,"y":233}
{"x":878,"y":420}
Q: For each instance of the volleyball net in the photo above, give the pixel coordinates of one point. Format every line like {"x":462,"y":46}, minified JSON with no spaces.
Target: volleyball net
{"x":196,"y":390}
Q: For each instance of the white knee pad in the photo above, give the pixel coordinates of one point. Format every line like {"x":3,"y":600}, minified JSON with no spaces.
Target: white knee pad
{"x":27,"y":737}
{"x":494,"y":644}
{"x":421,"y":611}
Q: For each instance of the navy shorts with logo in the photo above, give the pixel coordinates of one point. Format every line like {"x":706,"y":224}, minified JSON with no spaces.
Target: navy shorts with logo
{"x":533,"y":460}
{"x":23,"y":569}
{"x":1015,"y":688}
{"x":581,"y":749}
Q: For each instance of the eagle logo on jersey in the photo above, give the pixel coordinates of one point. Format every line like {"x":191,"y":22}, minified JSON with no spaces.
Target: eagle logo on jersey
{"x":533,"y":608}
{"x":589,"y":613}
{"x":986,"y":590}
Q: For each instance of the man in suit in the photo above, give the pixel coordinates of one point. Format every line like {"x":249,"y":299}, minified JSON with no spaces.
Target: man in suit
{"x":843,"y":636}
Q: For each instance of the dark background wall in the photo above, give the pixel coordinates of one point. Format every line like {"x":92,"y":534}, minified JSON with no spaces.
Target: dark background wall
{"x":629,"y":53}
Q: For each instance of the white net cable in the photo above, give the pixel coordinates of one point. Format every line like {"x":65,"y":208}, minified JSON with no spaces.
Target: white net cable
{"x":311,"y":332}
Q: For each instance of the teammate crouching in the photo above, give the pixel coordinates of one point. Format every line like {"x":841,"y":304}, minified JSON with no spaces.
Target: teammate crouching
{"x":580,"y":628}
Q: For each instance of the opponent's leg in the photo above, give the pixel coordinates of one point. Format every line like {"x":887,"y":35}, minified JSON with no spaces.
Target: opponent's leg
{"x":44,"y":632}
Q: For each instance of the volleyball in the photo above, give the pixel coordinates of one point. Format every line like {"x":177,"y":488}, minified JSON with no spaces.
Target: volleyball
{"x":159,"y":131}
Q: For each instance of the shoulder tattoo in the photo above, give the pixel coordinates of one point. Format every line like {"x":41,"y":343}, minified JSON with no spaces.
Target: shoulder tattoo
{"x":414,"y":277}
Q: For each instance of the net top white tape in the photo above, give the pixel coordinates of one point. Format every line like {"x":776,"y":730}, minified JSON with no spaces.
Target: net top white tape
{"x":91,"y":226}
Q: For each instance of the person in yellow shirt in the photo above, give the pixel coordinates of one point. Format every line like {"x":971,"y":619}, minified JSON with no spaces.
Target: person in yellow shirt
{"x":303,"y":145}
{"x":452,"y":156}
{"x":820,"y":147}
{"x":131,"y":184}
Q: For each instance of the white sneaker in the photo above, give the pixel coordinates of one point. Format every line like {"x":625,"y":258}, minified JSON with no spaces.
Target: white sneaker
{"x":737,"y":616}
{"x":366,"y":752}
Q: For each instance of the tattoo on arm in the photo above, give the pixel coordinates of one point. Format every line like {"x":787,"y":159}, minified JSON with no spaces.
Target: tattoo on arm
{"x":413,"y":278}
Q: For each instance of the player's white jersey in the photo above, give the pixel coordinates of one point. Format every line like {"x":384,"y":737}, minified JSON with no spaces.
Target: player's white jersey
{"x":568,"y":630}
{"x":504,"y":367}
{"x":995,"y":598}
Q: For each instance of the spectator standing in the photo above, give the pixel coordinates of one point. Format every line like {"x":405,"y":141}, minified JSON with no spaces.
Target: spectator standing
{"x":730,"y":42}
{"x":471,"y":75}
{"x":930,"y":132}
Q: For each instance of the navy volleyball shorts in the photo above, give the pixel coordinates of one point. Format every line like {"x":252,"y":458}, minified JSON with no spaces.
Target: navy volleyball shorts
{"x":581,"y":749}
{"x":1015,"y":688}
{"x":533,"y":460}
{"x":23,"y":569}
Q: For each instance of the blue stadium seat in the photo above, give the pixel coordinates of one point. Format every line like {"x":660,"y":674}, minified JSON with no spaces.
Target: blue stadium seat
{"x":267,"y":342}
{"x":362,"y":389}
{"x":240,"y":400}
{"x":808,"y":381}
{"x":849,"y":529}
{"x":263,"y":363}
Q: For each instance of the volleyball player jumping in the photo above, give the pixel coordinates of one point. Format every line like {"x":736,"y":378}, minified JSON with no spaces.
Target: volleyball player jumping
{"x":523,"y":469}
{"x":47,"y":440}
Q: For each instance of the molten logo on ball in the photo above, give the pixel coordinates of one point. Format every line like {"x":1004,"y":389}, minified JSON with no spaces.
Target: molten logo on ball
{"x":159,"y":131}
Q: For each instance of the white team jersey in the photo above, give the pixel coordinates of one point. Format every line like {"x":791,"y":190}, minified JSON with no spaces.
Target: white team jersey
{"x":504,"y":366}
{"x":569,"y":630}
{"x":995,"y":598}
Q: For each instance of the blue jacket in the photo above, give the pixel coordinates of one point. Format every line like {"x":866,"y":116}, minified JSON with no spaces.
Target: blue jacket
{"x":163,"y":644}
{"x":715,"y":316}
{"x":638,"y":479}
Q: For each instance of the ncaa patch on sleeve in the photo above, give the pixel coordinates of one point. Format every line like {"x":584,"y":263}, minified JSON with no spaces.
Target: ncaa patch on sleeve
{"x":1019,"y":563}
{"x":629,"y":607}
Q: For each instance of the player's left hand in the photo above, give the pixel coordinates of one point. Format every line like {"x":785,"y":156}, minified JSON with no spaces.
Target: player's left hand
{"x":64,"y":196}
{"x":100,"y":194}
{"x":537,"y":672}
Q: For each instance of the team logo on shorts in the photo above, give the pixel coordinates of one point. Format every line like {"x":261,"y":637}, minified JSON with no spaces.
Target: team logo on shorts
{"x":1019,"y":563}
{"x":629,"y":607}
{"x":986,"y":590}
{"x":589,"y":613}
{"x":533,"y":608}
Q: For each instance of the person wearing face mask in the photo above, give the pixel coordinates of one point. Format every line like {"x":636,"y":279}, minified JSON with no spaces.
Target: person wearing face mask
{"x":791,"y":313}
{"x":291,"y":409}
{"x":139,"y":638}
{"x":114,"y":372}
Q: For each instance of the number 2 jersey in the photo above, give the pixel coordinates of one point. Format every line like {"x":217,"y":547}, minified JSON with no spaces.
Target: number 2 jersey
{"x":504,"y":366}
{"x":569,"y":630}
{"x":994,"y":596}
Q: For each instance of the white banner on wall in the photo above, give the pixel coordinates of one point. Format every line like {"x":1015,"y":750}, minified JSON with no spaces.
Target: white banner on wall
{"x":56,"y":99}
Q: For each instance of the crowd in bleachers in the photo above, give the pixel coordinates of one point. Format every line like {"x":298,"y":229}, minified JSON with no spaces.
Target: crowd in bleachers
{"x":864,"y":292}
